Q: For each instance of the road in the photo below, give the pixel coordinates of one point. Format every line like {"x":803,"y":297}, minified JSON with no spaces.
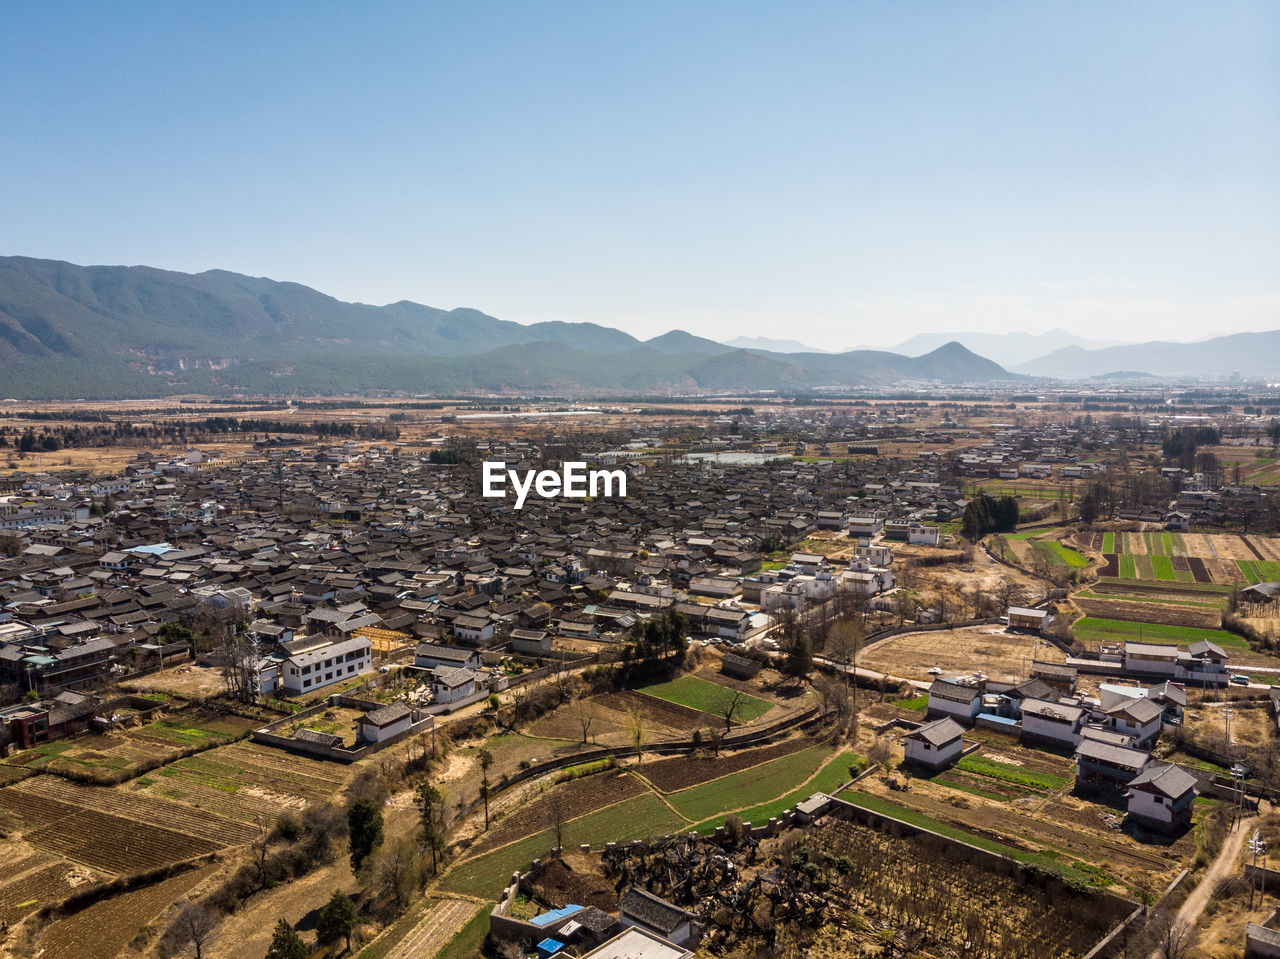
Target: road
{"x":1221,"y":867}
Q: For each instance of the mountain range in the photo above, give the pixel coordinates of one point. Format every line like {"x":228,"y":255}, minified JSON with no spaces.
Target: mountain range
{"x":1007,"y":349}
{"x":1248,"y":354}
{"x":70,"y":331}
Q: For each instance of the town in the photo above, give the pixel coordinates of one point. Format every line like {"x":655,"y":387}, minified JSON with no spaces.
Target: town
{"x":263,"y":686}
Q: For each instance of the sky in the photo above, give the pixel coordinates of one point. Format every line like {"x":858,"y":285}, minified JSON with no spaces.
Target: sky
{"x":839,"y":173}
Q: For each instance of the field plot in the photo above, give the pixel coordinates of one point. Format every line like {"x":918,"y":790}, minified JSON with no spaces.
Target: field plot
{"x":244,"y":780}
{"x":750,"y":786}
{"x":1003,"y":656}
{"x":123,"y":753}
{"x":680,"y":772}
{"x":707,"y":697}
{"x":1208,"y":558}
{"x":38,"y":887}
{"x":104,"y":929}
{"x":1095,"y":630}
{"x":681,"y":719}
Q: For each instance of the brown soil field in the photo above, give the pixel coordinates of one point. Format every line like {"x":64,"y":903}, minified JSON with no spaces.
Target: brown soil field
{"x":188,"y":681}
{"x":39,"y":887}
{"x":680,"y":772}
{"x":142,"y":808}
{"x":118,"y":845}
{"x":577,"y":879}
{"x":102,"y":930}
{"x":1004,"y":657}
{"x":672,"y":715}
{"x":608,"y":726}
{"x":106,"y":459}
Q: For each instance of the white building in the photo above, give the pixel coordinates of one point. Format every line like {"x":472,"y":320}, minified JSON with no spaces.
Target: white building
{"x":957,"y":700}
{"x":936,"y":744}
{"x":1162,"y":795}
{"x":449,"y":684}
{"x":1052,"y":722}
{"x":324,"y":665}
{"x":378,"y":725}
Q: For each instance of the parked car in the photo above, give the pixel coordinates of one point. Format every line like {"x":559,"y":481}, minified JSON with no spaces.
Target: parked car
{"x":1240,"y":679}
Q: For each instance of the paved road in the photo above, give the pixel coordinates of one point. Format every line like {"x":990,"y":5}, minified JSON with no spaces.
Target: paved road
{"x":441,"y":922}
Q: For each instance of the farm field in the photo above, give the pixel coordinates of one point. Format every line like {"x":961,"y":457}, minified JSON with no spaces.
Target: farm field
{"x":1222,"y":559}
{"x":102,"y":930}
{"x":621,"y":805}
{"x":1003,"y":656}
{"x":123,"y":753}
{"x":1091,"y":629}
{"x":706,"y":696}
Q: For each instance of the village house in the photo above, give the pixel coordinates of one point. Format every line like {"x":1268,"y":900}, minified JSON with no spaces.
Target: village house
{"x":324,"y":664}
{"x":431,"y":655}
{"x":450,"y":684}
{"x":960,"y":701}
{"x":379,"y":725}
{"x":654,"y":914}
{"x":1162,"y":797}
{"x":934,"y":745}
{"x":1055,"y":723}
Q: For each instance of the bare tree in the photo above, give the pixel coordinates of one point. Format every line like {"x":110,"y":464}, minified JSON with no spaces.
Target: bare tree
{"x":194,"y":927}
{"x":555,"y":806}
{"x":396,"y":871}
{"x":585,"y":716}
{"x":728,"y":703}
{"x":1173,"y":937}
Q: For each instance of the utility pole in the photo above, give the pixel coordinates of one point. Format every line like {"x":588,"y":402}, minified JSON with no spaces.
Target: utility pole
{"x":1258,"y":846}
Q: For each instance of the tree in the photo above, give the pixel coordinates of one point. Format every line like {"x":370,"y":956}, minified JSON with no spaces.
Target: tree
{"x":194,"y":926}
{"x":430,"y":803}
{"x":396,"y":871}
{"x":486,"y":760}
{"x":1173,"y":938}
{"x":286,"y":944}
{"x":338,"y":917}
{"x":585,"y":716}
{"x":364,"y":820}
{"x":798,"y":662}
{"x":636,"y":730}
{"x":555,"y":806}
{"x":728,"y":703}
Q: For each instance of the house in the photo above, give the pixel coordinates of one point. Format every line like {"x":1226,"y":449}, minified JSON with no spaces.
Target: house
{"x":28,"y":724}
{"x":739,"y":667}
{"x":1051,"y":722}
{"x":1150,"y":658}
{"x":935,"y":745}
{"x":1177,"y":520}
{"x":1260,"y":592}
{"x":637,"y":943}
{"x":431,"y":655}
{"x":531,"y":642}
{"x":1106,"y":767}
{"x":323,"y":665}
{"x":1056,"y":675}
{"x":475,"y":629}
{"x":654,"y":914}
{"x":1034,"y":619}
{"x":378,"y":725}
{"x":1139,"y":718}
{"x":449,"y":684}
{"x":960,"y":701}
{"x":1161,"y":796}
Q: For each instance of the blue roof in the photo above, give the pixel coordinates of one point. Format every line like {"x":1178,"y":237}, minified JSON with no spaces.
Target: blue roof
{"x":555,"y":915}
{"x":159,"y":549}
{"x":1003,"y":720}
{"x":549,"y":947}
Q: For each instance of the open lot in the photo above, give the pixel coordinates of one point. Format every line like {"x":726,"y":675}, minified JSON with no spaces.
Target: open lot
{"x":708,"y":697}
{"x":1004,"y":656}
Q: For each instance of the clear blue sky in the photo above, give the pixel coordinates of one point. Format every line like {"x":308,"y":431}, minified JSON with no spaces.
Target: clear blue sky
{"x":839,"y":173}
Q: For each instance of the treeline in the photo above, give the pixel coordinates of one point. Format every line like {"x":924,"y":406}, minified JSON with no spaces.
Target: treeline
{"x":54,"y":438}
{"x":985,"y":514}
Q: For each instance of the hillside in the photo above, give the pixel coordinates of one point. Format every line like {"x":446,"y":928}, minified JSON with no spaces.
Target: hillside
{"x":1249,"y":354}
{"x":71,"y":331}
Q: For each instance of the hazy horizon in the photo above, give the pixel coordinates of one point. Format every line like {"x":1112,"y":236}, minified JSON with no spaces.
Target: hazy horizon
{"x":837,"y":174}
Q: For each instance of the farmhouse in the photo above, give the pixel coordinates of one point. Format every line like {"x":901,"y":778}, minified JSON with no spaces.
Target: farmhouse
{"x":380,"y":724}
{"x":1061,"y":678}
{"x":1103,"y":767}
{"x":739,"y":667}
{"x":936,"y":744}
{"x":1051,"y":722}
{"x":1139,"y":718}
{"x":957,"y":700}
{"x":1020,"y":618}
{"x":531,"y":642}
{"x":1162,"y":796}
{"x":449,"y":684}
{"x":636,"y":943}
{"x":654,"y":914}
{"x":431,"y":655}
{"x":325,"y":664}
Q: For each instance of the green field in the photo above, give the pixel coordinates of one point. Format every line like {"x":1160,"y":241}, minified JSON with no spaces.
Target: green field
{"x":917,"y":704}
{"x":1162,"y":566}
{"x":706,"y":696}
{"x":1014,"y":775}
{"x":1108,"y":542}
{"x":834,"y":775}
{"x":637,"y":818}
{"x":1094,"y":629}
{"x":1128,"y":569}
{"x":1062,"y":555}
{"x":1259,"y":571}
{"x":750,"y":787}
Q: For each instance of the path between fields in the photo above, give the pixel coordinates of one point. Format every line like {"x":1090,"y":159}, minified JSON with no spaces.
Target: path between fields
{"x":435,"y":929}
{"x":1222,"y":866}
